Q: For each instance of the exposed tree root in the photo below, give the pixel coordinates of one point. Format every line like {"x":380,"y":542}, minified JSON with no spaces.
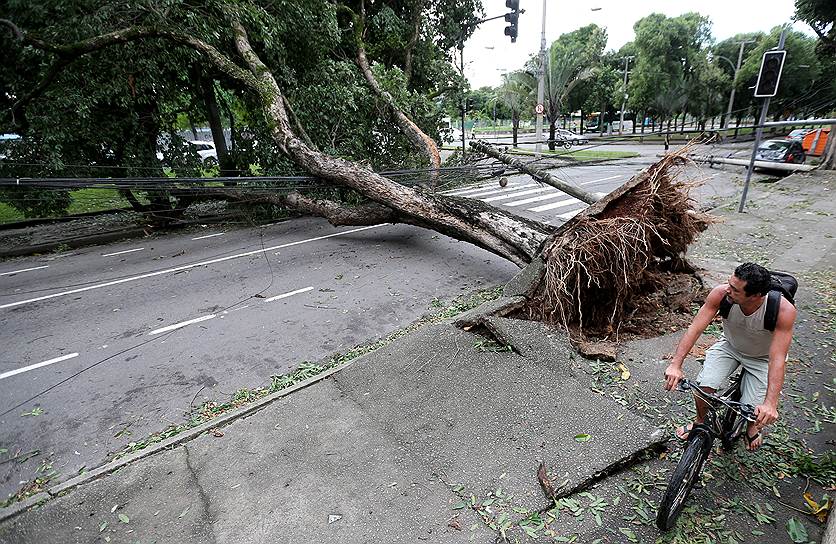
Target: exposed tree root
{"x":601,"y":263}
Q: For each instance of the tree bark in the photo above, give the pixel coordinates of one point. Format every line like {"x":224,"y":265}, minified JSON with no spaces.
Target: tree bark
{"x":413,"y":39}
{"x":552,"y":132}
{"x":213,"y":116}
{"x":829,"y":159}
{"x":423,"y":143}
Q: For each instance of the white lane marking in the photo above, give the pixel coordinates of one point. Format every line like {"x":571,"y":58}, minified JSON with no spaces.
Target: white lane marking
{"x":183,"y":324}
{"x":290,"y":294}
{"x":496,"y":190}
{"x":553,"y":205}
{"x":547,"y":196}
{"x":24,"y":270}
{"x":570,"y":215}
{"x":602,"y":179}
{"x":183,"y":267}
{"x":516,"y":194}
{"x":122,"y":252}
{"x":209,"y":236}
{"x":37,"y":365}
{"x":456,"y":192}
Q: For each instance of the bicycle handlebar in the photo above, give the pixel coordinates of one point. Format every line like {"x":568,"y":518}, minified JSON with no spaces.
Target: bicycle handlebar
{"x":747,"y":411}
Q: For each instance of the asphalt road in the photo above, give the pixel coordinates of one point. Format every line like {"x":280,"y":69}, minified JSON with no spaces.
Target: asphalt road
{"x":114,"y":342}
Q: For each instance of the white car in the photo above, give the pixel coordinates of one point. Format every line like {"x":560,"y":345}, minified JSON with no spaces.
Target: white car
{"x":205,"y":149}
{"x":571,"y":137}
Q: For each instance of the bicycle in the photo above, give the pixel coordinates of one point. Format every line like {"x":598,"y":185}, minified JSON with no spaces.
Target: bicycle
{"x":728,"y":426}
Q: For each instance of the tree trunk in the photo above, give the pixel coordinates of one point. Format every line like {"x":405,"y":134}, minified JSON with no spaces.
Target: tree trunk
{"x":552,"y":133}
{"x":829,"y":159}
{"x":423,"y":143}
{"x":207,"y":89}
{"x":581,"y":123}
{"x":515,"y":127}
{"x":418,"y":8}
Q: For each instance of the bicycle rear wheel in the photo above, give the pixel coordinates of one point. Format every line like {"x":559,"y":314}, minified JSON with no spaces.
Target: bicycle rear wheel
{"x":683,"y":479}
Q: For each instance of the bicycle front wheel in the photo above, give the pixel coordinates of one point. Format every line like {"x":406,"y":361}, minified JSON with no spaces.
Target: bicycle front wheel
{"x":683,"y":479}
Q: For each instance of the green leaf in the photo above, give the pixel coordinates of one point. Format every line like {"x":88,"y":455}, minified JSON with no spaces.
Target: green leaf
{"x":123,"y":518}
{"x":184,"y":512}
{"x":631,"y":536}
{"x":583,"y":437}
{"x":460,"y":505}
{"x":103,"y":526}
{"x":797,"y":531}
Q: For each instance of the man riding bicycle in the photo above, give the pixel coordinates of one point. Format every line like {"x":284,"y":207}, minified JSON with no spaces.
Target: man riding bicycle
{"x":746,"y":342}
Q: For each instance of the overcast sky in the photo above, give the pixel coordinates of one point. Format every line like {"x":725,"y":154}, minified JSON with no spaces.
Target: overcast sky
{"x":488,"y":52}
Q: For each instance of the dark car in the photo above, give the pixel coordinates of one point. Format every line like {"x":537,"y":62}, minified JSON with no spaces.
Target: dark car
{"x":781,"y":151}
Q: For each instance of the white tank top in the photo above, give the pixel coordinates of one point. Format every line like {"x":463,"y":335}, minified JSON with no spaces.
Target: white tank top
{"x":745,"y":333}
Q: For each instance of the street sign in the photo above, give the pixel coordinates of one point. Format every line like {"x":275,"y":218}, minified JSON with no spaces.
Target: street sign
{"x":770,"y":74}
{"x":539,"y":109}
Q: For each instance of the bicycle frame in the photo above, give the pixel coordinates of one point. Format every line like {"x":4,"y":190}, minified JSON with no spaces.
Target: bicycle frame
{"x":726,"y":426}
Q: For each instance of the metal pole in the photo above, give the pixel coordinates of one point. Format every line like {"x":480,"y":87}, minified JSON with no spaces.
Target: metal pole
{"x":758,"y":134}
{"x":464,"y":96}
{"x":624,"y":104}
{"x":541,"y":86}
{"x":734,"y":81}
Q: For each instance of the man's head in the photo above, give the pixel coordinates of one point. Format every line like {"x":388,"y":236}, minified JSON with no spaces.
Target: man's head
{"x":749,"y":281}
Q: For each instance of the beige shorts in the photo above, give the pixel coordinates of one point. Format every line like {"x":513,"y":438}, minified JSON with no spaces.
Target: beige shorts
{"x":721,"y":360}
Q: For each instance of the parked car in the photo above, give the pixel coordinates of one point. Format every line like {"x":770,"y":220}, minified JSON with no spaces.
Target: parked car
{"x":571,"y":137}
{"x":781,"y":151}
{"x":206,"y":150}
{"x":799,"y":134}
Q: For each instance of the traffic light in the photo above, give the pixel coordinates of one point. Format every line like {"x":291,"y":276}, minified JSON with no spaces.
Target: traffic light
{"x":512,"y":18}
{"x":770,"y":74}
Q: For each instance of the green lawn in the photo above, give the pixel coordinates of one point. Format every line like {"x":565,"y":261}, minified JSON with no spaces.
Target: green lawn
{"x":84,"y":200}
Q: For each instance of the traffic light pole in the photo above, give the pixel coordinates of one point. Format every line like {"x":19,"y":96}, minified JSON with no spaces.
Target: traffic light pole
{"x":758,"y":134}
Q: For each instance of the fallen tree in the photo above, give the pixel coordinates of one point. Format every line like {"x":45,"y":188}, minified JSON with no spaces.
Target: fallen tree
{"x":592,"y":267}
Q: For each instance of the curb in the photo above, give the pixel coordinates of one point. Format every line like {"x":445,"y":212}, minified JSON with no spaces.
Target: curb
{"x":79,"y":241}
{"x":103,"y":470}
{"x":25,"y":504}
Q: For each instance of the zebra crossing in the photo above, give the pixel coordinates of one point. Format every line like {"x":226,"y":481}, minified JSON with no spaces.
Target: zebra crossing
{"x":530,"y":196}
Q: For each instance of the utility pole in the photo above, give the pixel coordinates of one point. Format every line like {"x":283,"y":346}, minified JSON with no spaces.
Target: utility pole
{"x":541,"y":87}
{"x":627,"y":60}
{"x":734,"y":80}
{"x":464,"y":95}
{"x":759,"y":129}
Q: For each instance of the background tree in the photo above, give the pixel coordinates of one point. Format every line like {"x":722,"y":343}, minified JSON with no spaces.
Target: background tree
{"x":571,"y":59}
{"x":517,"y":93}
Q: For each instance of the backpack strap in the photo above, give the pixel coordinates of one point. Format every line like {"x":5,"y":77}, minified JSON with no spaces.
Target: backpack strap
{"x":773,"y":304}
{"x":725,"y":307}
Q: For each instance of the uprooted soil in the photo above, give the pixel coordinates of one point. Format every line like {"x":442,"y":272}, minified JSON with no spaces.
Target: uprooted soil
{"x":618,"y":268}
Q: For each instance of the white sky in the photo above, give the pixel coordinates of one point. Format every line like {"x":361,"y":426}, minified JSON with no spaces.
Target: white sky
{"x":488,"y":52}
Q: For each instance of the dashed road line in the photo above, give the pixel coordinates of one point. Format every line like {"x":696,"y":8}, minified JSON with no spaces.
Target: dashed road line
{"x":548,"y":196}
{"x":290,"y":294}
{"x":122,"y":252}
{"x":13,"y":272}
{"x":602,"y":179}
{"x":515,"y":194}
{"x":183,"y":267}
{"x":182,"y":324}
{"x":37,"y":365}
{"x":209,"y":236}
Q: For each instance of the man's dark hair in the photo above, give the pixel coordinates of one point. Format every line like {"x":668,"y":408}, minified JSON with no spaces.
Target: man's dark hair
{"x":757,"y":278}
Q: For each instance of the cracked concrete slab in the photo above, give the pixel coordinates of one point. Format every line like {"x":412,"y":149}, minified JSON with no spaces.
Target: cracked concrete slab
{"x":376,"y":450}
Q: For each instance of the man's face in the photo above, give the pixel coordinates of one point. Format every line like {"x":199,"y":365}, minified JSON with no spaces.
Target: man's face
{"x":736,"y":291}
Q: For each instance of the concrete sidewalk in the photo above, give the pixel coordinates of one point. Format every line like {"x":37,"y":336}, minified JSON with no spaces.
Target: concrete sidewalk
{"x":438,"y":436}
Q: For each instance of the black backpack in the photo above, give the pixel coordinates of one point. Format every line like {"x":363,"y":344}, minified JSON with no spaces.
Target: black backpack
{"x":782,"y":284}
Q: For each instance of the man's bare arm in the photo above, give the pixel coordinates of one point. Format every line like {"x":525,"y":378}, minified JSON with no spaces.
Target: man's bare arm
{"x":767,"y":413}
{"x":701,"y":321}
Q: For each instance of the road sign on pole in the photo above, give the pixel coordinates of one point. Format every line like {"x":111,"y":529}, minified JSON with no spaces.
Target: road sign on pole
{"x":539,"y":109}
